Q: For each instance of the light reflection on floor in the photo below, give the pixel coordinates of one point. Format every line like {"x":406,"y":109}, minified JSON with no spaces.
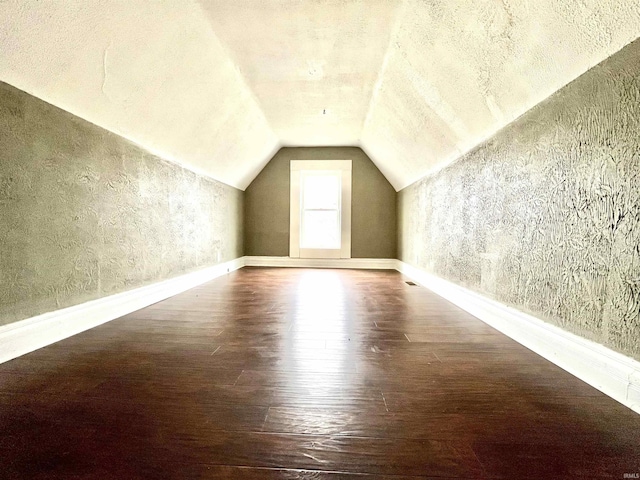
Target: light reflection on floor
{"x":321,"y":318}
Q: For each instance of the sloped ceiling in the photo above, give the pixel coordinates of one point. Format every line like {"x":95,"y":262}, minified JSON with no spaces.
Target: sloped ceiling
{"x":457,"y":71}
{"x":219,"y":85}
{"x":151,"y":71}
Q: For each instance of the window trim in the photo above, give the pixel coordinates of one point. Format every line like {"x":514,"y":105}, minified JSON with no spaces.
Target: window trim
{"x":297,"y":166}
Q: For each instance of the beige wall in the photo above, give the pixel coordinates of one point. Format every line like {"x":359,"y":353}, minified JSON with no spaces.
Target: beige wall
{"x":85,"y":213}
{"x":373,"y":205}
{"x":545,"y":216}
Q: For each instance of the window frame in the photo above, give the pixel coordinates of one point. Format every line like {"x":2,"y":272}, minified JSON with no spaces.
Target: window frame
{"x":344,"y":167}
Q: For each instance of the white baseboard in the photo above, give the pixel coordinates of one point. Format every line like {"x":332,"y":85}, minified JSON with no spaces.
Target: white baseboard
{"x":25,"y":336}
{"x":363,"y":263}
{"x":614,"y":374}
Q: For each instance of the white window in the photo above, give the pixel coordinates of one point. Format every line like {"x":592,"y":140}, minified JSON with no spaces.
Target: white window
{"x":320,"y":209}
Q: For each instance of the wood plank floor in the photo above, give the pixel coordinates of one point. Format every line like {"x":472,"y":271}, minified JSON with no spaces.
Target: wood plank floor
{"x":294,"y":373}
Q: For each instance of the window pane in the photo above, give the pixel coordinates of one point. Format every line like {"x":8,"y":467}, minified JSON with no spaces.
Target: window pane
{"x":321,"y":191}
{"x":320,"y":229}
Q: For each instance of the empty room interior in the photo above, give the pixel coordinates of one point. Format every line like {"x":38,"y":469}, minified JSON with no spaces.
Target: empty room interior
{"x":319,"y":239}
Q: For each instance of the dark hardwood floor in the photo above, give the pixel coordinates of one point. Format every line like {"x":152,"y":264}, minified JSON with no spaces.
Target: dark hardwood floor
{"x":292,"y":373}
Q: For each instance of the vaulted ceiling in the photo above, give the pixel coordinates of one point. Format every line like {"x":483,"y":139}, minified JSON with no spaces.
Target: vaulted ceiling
{"x":220,"y":85}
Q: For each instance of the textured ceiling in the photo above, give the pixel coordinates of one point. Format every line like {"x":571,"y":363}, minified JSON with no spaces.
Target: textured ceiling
{"x":457,"y":71}
{"x":312,"y":65}
{"x":219,"y":85}
{"x":151,"y":71}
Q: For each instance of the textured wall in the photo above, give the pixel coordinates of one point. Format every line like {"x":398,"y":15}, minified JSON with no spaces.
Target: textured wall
{"x":373,"y":205}
{"x":546,"y":215}
{"x":84,"y":213}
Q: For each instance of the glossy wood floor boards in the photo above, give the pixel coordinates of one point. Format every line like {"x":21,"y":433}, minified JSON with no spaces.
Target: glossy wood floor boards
{"x":292,"y":374}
